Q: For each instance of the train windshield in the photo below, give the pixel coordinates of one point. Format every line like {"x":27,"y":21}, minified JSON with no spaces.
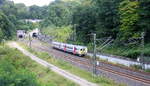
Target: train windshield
{"x":82,"y":49}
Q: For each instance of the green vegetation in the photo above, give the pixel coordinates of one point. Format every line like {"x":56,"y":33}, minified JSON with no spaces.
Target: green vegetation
{"x":136,"y":67}
{"x":13,"y":69}
{"x":72,"y":69}
{"x":129,"y":17}
{"x":148,"y":70}
{"x":6,"y":27}
{"x":121,"y":19}
{"x":59,"y":14}
{"x":61,"y":34}
{"x":72,"y":21}
{"x":128,"y":51}
{"x":24,"y":25}
{"x":46,"y":77}
{"x":36,"y":12}
{"x":12,"y":17}
{"x":19,"y":70}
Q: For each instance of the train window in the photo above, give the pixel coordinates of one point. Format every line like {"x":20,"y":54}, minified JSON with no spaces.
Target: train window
{"x":82,"y":49}
{"x":20,"y":36}
{"x":70,"y":47}
{"x":75,"y":48}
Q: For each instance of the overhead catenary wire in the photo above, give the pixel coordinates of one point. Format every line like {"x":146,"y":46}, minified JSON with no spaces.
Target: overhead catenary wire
{"x":108,"y":39}
{"x":106,"y":44}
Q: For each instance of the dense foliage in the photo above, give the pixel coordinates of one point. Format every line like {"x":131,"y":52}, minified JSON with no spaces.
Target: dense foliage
{"x":6,"y":27}
{"x":120,"y":19}
{"x":12,"y":17}
{"x":129,"y":17}
{"x":59,"y":14}
{"x":99,"y":16}
{"x":17,"y":69}
{"x":144,"y":21}
{"x":13,"y":70}
{"x":36,"y":12}
{"x":123,"y":20}
{"x":60,"y":34}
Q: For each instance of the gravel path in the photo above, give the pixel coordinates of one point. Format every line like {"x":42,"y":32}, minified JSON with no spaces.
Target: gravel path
{"x":76,"y":79}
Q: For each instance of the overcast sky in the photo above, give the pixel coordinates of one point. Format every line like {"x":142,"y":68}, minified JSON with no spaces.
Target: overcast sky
{"x":33,"y":2}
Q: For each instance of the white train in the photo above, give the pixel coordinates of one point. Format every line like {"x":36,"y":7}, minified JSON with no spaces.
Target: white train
{"x":75,"y":49}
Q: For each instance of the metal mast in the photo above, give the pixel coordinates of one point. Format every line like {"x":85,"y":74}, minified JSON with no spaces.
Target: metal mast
{"x":94,"y":54}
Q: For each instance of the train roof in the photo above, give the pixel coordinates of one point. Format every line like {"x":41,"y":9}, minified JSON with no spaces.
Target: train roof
{"x":79,"y":46}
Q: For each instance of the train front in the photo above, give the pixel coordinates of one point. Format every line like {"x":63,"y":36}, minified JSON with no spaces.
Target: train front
{"x":83,"y":51}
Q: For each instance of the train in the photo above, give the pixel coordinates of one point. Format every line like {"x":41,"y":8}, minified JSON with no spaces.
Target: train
{"x":70,"y":48}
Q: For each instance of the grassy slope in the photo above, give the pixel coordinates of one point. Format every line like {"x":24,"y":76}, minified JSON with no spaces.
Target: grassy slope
{"x":43,"y":75}
{"x":67,"y":66}
{"x":131,"y":52}
{"x":60,"y":34}
{"x":48,"y":78}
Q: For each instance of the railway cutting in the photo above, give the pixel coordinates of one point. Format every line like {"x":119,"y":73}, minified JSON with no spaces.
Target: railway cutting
{"x":117,"y":73}
{"x":76,"y":79}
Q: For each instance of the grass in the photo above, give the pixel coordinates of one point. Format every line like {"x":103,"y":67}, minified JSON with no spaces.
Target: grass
{"x":133,"y":53}
{"x":139,"y":68}
{"x":148,"y":70}
{"x":48,"y":78}
{"x":128,"y":51}
{"x":102,"y":81}
{"x":44,"y":76}
{"x":60,"y":34}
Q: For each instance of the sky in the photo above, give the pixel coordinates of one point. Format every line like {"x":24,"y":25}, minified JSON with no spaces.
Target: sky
{"x":33,"y":2}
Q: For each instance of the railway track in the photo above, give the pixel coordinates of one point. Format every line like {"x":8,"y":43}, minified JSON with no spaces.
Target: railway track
{"x":109,"y":69}
{"x":138,"y":76}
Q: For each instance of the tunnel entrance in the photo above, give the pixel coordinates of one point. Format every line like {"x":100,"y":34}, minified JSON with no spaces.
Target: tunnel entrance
{"x":34,"y":35}
{"x":20,"y":36}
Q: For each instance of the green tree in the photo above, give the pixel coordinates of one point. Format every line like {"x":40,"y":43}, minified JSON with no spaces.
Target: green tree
{"x":129,"y":18}
{"x":99,"y":16}
{"x":84,"y":20}
{"x":59,"y":13}
{"x":22,"y":11}
{"x":36,"y":12}
{"x":9,"y":9}
{"x":107,"y":17}
{"x":144,"y":21}
{"x":13,"y":75}
{"x":1,"y":35}
{"x":7,"y":28}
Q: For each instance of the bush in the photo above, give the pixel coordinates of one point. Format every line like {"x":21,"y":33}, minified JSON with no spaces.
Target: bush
{"x":131,"y":54}
{"x":61,"y":34}
{"x":13,"y":71}
{"x":136,"y":67}
{"x":147,"y":70}
{"x":130,"y":51}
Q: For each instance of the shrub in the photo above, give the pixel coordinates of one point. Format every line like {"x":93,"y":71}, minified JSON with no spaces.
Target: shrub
{"x":12,"y":70}
{"x":136,"y":66}
{"x":61,"y":34}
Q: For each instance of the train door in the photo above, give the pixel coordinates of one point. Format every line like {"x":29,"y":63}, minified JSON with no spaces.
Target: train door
{"x":64,"y":47}
{"x":59,"y":46}
{"x":74,"y":50}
